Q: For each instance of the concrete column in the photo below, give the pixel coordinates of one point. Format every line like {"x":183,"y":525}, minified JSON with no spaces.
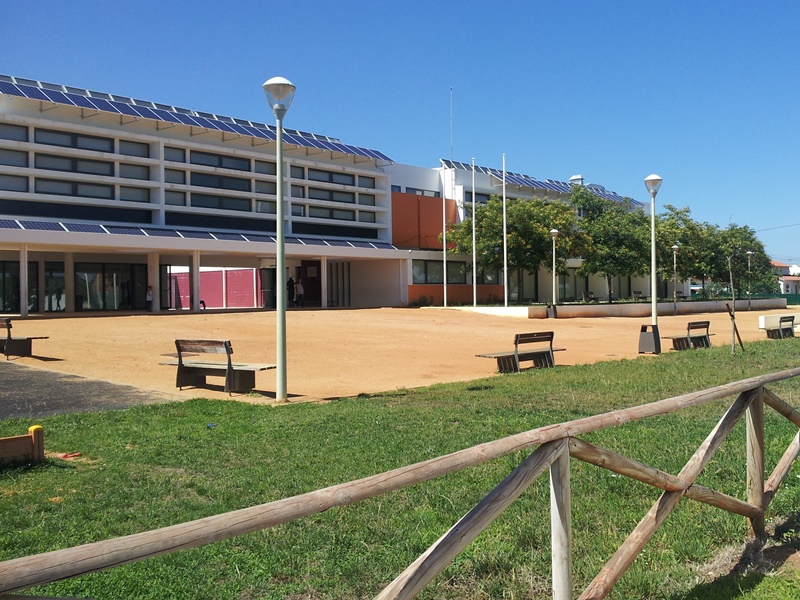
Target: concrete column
{"x":23,"y":280}
{"x":154,"y":279}
{"x":323,"y":280}
{"x":69,"y":282}
{"x":194,"y":276}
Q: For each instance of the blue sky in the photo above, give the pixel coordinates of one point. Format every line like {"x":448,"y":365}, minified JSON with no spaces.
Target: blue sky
{"x":705,"y":94}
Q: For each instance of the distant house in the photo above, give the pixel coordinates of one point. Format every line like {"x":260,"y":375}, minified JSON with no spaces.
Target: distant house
{"x":788,"y":277}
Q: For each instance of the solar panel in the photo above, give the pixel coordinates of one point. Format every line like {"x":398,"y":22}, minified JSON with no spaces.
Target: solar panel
{"x":58,"y":97}
{"x":84,"y":228}
{"x":124,"y":230}
{"x":9,"y":224}
{"x":81,"y":101}
{"x":32,"y":92}
{"x":383,"y":246}
{"x":357,"y":244}
{"x":341,"y":243}
{"x":293,"y":240}
{"x":250,"y":237}
{"x":312,"y":242}
{"x":125,"y":109}
{"x":161,"y":232}
{"x":197,"y":235}
{"x":9,"y":88}
{"x":41,"y":225}
{"x":104,"y":105}
{"x":231,"y":237}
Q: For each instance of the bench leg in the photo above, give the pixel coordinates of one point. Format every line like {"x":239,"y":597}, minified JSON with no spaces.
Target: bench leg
{"x":21,"y":347}
{"x":680,"y":343}
{"x":189,"y":378}
{"x":240,"y":381}
{"x":507,"y":364}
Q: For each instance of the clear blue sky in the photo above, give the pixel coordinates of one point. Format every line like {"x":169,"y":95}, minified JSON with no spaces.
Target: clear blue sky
{"x":705,"y":94}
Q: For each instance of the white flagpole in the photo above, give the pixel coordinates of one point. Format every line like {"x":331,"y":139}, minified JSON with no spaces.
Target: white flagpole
{"x":505,"y":245}
{"x":474,"y":250}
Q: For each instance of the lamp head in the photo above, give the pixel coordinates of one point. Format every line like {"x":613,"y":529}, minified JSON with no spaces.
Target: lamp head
{"x":554,"y":233}
{"x":279,"y":92}
{"x":750,"y":253}
{"x":675,"y":247}
{"x":653,"y":183}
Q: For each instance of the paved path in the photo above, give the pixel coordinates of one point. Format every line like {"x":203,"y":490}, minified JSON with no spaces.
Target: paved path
{"x":30,"y":392}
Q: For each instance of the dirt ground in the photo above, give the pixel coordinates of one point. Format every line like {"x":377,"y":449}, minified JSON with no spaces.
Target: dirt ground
{"x":338,"y":353}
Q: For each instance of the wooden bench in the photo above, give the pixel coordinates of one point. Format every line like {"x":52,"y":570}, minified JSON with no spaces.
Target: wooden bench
{"x":637,"y":295}
{"x":696,"y":336}
{"x":542,"y":357}
{"x":778,"y":327}
{"x":589,"y":297}
{"x":239,"y":377}
{"x":17,"y":346}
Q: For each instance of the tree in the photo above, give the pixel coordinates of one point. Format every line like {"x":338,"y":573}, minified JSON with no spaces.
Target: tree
{"x":528,"y":239}
{"x":617,"y":237}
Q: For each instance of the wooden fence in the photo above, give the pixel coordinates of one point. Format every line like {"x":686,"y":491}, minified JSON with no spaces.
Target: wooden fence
{"x":555,"y":445}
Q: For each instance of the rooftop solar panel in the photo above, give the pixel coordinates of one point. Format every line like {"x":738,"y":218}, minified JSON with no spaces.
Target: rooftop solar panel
{"x":160,"y":232}
{"x":166,"y":115}
{"x":358,"y":244}
{"x":9,"y":224}
{"x":41,"y":225}
{"x":338,"y":243}
{"x":197,"y":235}
{"x":58,"y":97}
{"x":9,"y":88}
{"x":147,"y":113}
{"x":383,"y":246}
{"x":293,"y":240}
{"x":81,"y":101}
{"x":84,"y":228}
{"x":32,"y":92}
{"x":104,"y":105}
{"x":312,"y":242}
{"x":251,"y":237}
{"x":231,"y":237}
{"x":124,"y":230}
{"x":125,"y":109}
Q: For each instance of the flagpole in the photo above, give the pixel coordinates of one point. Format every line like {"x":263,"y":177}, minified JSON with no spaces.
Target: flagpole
{"x":505,"y":245}
{"x":474,"y":250}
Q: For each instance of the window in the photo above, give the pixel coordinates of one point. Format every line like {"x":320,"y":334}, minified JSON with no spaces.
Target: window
{"x":74,"y":165}
{"x":174,"y":154}
{"x":266,"y":207}
{"x":174,"y":198}
{"x":298,"y":191}
{"x":334,"y":196}
{"x":220,"y":202}
{"x":431,"y":271}
{"x":456,"y":272}
{"x":13,"y":132}
{"x":421,"y":192}
{"x":13,"y":158}
{"x":221,"y":182}
{"x":219,"y":160}
{"x":267,"y":168}
{"x":134,"y":171}
{"x":366,"y":182}
{"x":73,"y":188}
{"x":488,"y":276}
{"x":331,"y":177}
{"x":73,"y":140}
{"x":174,"y":176}
{"x":266,"y":187}
{"x":298,"y":210}
{"x":13,"y":183}
{"x":134,"y":194}
{"x":397,"y":188}
{"x":298,"y":172}
{"x":134,"y":149}
{"x":366,"y":217}
{"x":479,"y":198}
{"x":368,"y":199}
{"x":331,"y":213}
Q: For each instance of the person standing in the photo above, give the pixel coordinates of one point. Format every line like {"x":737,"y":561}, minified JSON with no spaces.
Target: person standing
{"x":148,"y":298}
{"x":290,"y":291}
{"x":299,"y":292}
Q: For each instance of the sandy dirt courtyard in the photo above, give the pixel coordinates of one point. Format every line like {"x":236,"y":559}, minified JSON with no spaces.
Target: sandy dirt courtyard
{"x":338,"y":353}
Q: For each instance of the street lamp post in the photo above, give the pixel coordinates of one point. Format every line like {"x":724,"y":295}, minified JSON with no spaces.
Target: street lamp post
{"x":280,"y":92}
{"x":674,"y":279}
{"x":749,"y":277}
{"x":651,"y":342}
{"x":554,"y":234}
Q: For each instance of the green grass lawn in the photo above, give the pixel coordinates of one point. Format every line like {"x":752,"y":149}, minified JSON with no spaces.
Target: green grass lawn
{"x":158,"y":465}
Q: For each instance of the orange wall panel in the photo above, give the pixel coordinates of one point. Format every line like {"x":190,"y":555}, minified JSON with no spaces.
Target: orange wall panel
{"x":417,"y":220}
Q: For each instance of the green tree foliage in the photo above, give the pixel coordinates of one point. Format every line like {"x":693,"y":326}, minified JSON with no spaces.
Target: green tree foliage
{"x":617,"y":237}
{"x":528,"y":225}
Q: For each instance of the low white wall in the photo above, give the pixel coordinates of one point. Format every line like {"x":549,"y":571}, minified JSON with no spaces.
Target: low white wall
{"x":644,"y":309}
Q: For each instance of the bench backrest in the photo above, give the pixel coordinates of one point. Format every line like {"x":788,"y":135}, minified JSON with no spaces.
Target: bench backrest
{"x":698,"y":325}
{"x":531,"y":338}
{"x":788,"y":320}
{"x":6,"y":324}
{"x":204,"y":347}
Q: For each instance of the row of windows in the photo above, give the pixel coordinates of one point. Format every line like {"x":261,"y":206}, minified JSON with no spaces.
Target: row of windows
{"x":432,"y":271}
{"x":19,"y":133}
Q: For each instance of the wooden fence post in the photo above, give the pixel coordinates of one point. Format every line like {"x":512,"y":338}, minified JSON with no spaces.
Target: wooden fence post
{"x":755,"y":461}
{"x":561,"y":526}
{"x":37,"y":441}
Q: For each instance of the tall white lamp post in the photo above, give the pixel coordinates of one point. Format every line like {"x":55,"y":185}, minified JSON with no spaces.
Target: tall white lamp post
{"x":653,"y":344}
{"x":749,"y":277}
{"x":280,"y":92}
{"x":474,"y":251}
{"x":674,"y":279}
{"x":554,"y":234}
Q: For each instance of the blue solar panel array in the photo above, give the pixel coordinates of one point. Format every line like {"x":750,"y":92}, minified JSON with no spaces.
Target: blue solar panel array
{"x":526,"y":181}
{"x":121,"y":105}
{"x":26,"y":225}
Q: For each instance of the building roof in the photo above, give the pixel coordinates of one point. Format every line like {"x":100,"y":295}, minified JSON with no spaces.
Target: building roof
{"x":536,"y":184}
{"x":53,"y":93}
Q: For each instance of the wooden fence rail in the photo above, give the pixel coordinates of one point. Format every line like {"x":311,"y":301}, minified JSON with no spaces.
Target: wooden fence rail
{"x":556,"y":445}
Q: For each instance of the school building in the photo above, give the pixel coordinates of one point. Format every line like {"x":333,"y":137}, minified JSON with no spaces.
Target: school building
{"x":103,"y":196}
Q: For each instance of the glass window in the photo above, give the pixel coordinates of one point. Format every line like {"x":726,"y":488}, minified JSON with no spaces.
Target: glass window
{"x":343,"y":178}
{"x":220,"y":202}
{"x":220,"y":181}
{"x":174,"y":154}
{"x":87,"y":142}
{"x":267,"y":168}
{"x":54,"y":163}
{"x":435,"y":271}
{"x":53,"y":138}
{"x":219,"y":160}
{"x":318,"y":194}
{"x":344,"y":215}
{"x":235,"y":162}
{"x":267,"y":206}
{"x":418,"y":271}
{"x":298,"y":172}
{"x":74,"y":165}
{"x":317,"y":175}
{"x":366,"y":182}
{"x":266,"y":187}
{"x":331,"y":177}
{"x":348,"y":197}
{"x":396,"y":188}
{"x":298,"y":210}
{"x":92,"y":190}
{"x":320,"y":213}
{"x":298,"y":191}
{"x":53,"y":186}
{"x":134,"y":171}
{"x":134,"y":194}
{"x":134,"y":149}
{"x":368,"y":199}
{"x":13,"y":183}
{"x":174,"y":176}
{"x":174,"y":198}
{"x":456,"y":272}
{"x":17,"y":133}
{"x":93,"y":167}
{"x":73,"y":140}
{"x":13,"y":158}
{"x":366,"y":217}
{"x":69,"y":188}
